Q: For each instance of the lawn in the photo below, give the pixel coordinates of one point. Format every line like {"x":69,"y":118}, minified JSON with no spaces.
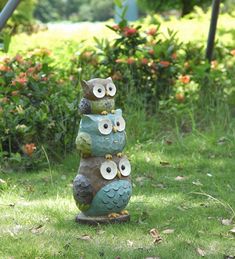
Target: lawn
{"x":183,"y":187}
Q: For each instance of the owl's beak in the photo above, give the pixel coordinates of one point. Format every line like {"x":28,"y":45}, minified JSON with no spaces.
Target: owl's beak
{"x":114,"y":129}
{"x":106,"y":93}
{"x":119,"y":174}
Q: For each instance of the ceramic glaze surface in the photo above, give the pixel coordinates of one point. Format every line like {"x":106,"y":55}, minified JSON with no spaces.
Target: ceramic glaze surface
{"x":112,"y":198}
{"x":92,"y":142}
{"x":102,"y":187}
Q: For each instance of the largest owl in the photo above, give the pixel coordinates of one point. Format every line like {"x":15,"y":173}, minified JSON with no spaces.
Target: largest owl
{"x":98,"y":96}
{"x":103,"y":187}
{"x":101,"y":135}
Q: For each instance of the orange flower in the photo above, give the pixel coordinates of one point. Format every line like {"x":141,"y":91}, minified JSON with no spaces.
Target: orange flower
{"x":116,"y":27}
{"x":120,"y":60}
{"x":152,"y":31}
{"x":180,"y":97}
{"x":232,"y":52}
{"x":151,"y":52}
{"x":184,"y":79}
{"x":87,"y":54}
{"x":127,"y":31}
{"x":165,"y":63}
{"x":19,"y":59}
{"x":29,"y":149}
{"x":4,"y":100}
{"x":20,"y":80}
{"x":130,"y":60}
{"x":214,"y":64}
{"x":4,"y":68}
{"x":31,"y":70}
{"x":14,"y":93}
{"x":144,"y":61}
{"x":174,"y":56}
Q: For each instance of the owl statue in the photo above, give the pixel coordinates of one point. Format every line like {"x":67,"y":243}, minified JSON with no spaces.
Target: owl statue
{"x":98,"y":96}
{"x":101,"y":135}
{"x":103,"y":187}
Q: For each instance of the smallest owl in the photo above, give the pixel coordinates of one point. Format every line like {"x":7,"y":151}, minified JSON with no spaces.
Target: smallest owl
{"x":98,"y":96}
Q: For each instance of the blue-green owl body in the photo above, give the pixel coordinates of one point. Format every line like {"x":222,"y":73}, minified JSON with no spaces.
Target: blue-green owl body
{"x":113,"y":197}
{"x":100,"y":135}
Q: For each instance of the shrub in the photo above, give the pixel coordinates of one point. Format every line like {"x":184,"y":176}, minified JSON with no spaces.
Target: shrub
{"x":37,"y":107}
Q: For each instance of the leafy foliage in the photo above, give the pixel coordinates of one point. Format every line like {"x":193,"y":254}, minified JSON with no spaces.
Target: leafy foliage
{"x":160,"y":5}
{"x":74,"y":10}
{"x":37,"y":107}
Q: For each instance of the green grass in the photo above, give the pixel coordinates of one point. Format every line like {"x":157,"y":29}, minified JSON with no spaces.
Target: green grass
{"x":204,"y":160}
{"x":60,"y":38}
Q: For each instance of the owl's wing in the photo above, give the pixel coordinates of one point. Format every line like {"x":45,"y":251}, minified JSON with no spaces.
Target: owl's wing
{"x":83,"y":143}
{"x":82,"y":192}
{"x":84,"y":106}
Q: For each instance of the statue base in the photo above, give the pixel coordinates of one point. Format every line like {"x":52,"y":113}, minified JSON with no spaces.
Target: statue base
{"x":82,"y":219}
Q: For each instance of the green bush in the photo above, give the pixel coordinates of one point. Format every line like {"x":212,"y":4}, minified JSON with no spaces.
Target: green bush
{"x":165,"y":73}
{"x":37,"y":108}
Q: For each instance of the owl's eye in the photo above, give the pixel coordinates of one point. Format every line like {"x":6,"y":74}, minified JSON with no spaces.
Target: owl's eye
{"x":111,"y":89}
{"x":108,"y":170}
{"x":124,"y":167}
{"x":120,"y":124}
{"x":99,"y":91}
{"x":105,"y":126}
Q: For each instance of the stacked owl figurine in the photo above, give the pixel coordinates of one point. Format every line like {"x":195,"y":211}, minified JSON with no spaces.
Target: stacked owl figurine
{"x":102,"y":188}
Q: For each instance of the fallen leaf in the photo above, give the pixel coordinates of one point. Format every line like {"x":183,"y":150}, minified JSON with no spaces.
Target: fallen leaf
{"x":140,"y":179}
{"x":226,"y":222}
{"x":210,"y":175}
{"x":221,"y":141}
{"x":158,"y":185}
{"x":168,"y":141}
{"x":156,"y":236}
{"x":201,"y":252}
{"x":232,"y":230}
{"x":85,"y":237}
{"x":197,"y":183}
{"x":164,"y":163}
{"x":168,"y":231}
{"x":179,"y":178}
{"x":37,"y":230}
{"x":130,"y":243}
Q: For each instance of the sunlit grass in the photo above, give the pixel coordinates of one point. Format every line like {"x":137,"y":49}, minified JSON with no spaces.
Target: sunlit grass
{"x":37,"y":218}
{"x":63,"y":38}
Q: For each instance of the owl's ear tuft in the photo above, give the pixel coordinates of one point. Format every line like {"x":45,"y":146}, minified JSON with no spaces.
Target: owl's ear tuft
{"x":90,"y":117}
{"x":110,"y":79}
{"x":84,"y":84}
{"x":118,"y":112}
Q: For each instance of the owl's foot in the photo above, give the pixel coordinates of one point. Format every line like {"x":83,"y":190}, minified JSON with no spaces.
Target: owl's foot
{"x":104,"y":113}
{"x":120,"y":154}
{"x":124,"y":212}
{"x":113,"y":111}
{"x":108,"y":156}
{"x":113,"y":215}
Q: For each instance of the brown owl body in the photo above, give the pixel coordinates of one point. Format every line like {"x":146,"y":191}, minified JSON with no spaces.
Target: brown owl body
{"x":102,"y":186}
{"x":98,"y":96}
